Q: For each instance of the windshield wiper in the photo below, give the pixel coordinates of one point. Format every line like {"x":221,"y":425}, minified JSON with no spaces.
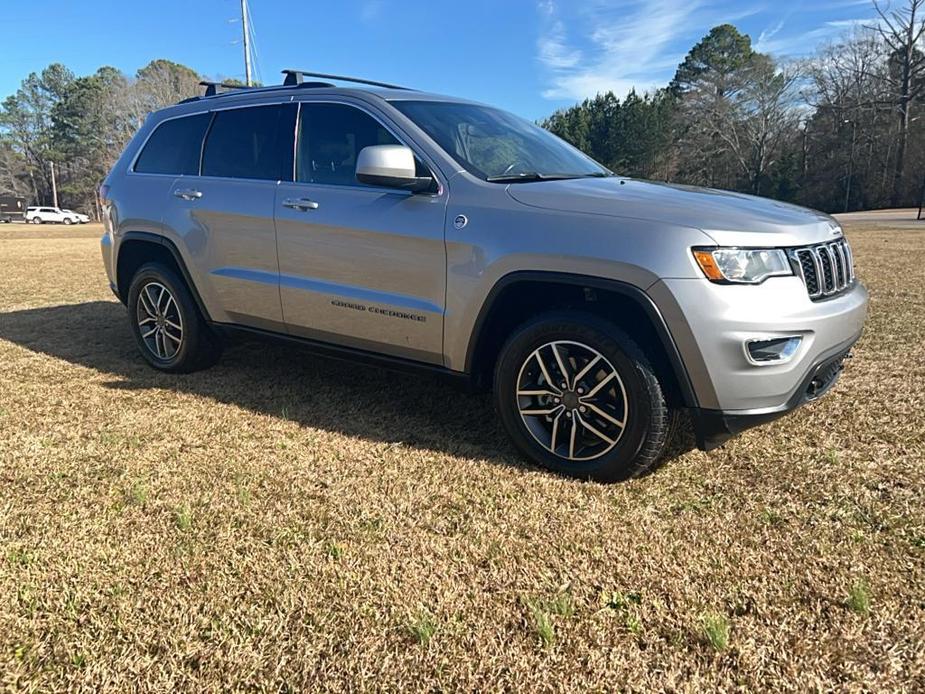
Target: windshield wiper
{"x":526,"y":177}
{"x":530,"y":176}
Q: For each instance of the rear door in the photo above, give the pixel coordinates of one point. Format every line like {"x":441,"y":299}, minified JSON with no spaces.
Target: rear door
{"x":142,"y":197}
{"x":360,"y":266}
{"x":225,"y":215}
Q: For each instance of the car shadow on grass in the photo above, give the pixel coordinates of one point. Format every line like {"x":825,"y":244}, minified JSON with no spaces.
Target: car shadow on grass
{"x":285,"y":381}
{"x":279,"y":380}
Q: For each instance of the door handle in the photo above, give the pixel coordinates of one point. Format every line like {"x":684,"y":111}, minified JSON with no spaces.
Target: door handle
{"x":301,"y":204}
{"x":188,"y":194}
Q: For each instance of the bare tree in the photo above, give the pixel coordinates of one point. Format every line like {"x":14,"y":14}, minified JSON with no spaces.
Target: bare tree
{"x":902,"y":30}
{"x":760,"y":118}
{"x":13,"y":170}
{"x":851,"y":119}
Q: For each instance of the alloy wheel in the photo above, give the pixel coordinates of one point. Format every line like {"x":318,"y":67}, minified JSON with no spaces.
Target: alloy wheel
{"x":159,"y":321}
{"x":572,"y":400}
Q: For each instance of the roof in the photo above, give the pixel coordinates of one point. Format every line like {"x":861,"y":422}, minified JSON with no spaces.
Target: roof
{"x":295,"y":82}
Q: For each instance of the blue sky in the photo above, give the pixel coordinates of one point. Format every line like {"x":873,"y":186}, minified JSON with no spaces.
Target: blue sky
{"x":530,"y":56}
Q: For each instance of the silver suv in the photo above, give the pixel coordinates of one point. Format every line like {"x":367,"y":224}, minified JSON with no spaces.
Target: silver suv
{"x":431,"y":232}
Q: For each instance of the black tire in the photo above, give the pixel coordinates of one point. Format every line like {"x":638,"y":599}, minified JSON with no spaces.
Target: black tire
{"x":36,"y":220}
{"x":67,"y":221}
{"x":647,"y":420}
{"x":198,"y":347}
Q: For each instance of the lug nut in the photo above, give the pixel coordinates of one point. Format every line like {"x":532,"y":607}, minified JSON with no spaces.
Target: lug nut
{"x":581,"y":391}
{"x":583,"y":408}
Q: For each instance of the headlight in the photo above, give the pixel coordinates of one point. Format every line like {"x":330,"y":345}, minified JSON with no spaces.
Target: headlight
{"x":742,"y":266}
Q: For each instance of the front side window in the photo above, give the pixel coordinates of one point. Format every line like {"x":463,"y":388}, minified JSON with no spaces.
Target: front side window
{"x":250,"y":143}
{"x":330,"y":138}
{"x":174,"y":146}
{"x":495,"y":145}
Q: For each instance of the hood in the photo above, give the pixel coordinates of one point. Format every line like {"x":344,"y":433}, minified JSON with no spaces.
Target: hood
{"x":730,"y":219}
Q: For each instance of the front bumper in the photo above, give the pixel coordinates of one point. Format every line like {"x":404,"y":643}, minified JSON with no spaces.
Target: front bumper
{"x":711,"y":324}
{"x":712,"y":428}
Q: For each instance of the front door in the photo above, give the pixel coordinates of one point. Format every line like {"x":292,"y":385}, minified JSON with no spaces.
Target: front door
{"x":360,"y":266}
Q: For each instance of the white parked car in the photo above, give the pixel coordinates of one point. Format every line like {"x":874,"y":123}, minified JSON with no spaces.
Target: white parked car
{"x":81,"y":218}
{"x":53,"y":215}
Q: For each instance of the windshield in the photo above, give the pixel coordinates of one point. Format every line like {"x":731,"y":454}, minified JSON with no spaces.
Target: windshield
{"x":497,"y":146}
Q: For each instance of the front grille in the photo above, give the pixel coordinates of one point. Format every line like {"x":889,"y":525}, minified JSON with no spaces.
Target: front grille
{"x":826,"y":269}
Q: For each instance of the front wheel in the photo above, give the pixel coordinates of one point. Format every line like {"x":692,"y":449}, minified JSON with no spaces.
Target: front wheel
{"x":578,"y":396}
{"x":167,"y":325}
{"x":67,"y":221}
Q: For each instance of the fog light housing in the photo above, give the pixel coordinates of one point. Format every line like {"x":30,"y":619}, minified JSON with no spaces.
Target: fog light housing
{"x":772,"y":350}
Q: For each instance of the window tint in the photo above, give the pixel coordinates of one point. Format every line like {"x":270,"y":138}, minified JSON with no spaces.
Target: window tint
{"x":174,"y":146}
{"x":251,"y":142}
{"x":330,"y":138}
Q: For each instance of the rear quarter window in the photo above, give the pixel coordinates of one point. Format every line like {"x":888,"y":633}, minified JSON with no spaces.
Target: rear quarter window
{"x":174,"y":146}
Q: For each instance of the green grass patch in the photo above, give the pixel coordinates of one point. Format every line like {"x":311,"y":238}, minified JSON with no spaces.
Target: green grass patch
{"x":859,"y":597}
{"x":183,"y":517}
{"x":422,"y":626}
{"x":715,"y":629}
{"x":541,"y":622}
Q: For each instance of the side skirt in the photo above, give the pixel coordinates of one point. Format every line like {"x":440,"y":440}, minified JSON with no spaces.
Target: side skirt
{"x":455,"y":379}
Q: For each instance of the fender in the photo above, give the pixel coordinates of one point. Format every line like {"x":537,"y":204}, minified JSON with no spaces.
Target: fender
{"x":632,"y":292}
{"x":149,"y":237}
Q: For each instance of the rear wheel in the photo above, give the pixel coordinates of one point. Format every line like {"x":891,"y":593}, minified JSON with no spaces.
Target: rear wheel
{"x":36,"y":220}
{"x":168,"y":327}
{"x":578,"y":396}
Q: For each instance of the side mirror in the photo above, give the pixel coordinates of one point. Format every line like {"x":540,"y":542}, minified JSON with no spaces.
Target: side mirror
{"x":390,"y":166}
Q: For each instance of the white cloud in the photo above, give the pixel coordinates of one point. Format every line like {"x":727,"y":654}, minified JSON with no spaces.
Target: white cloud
{"x":805,"y":42}
{"x":615,"y":45}
{"x":626,"y":44}
{"x":552,"y":47}
{"x":768,"y":34}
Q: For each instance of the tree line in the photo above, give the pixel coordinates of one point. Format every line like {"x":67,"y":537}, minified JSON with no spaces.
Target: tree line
{"x":842,"y":130}
{"x":80,"y":125}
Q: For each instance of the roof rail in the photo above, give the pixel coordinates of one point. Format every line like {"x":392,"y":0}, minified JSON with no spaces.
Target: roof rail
{"x":294,"y":78}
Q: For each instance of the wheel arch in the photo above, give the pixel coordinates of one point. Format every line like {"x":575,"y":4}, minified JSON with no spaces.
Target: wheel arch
{"x":519,"y":295}
{"x":139,"y":247}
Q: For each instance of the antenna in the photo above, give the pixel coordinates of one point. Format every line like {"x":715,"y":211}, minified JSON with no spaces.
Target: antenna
{"x":247,"y":44}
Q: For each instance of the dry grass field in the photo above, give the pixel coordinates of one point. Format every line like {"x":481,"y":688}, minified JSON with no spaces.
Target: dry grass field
{"x":282,"y":522}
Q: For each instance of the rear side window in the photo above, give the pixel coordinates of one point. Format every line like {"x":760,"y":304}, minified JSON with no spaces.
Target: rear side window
{"x":253,"y":142}
{"x":174,"y":146}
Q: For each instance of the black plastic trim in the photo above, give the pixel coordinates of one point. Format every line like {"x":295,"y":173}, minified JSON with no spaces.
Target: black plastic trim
{"x":633,"y":292}
{"x":458,"y":379}
{"x":149,"y":237}
{"x":712,"y":428}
